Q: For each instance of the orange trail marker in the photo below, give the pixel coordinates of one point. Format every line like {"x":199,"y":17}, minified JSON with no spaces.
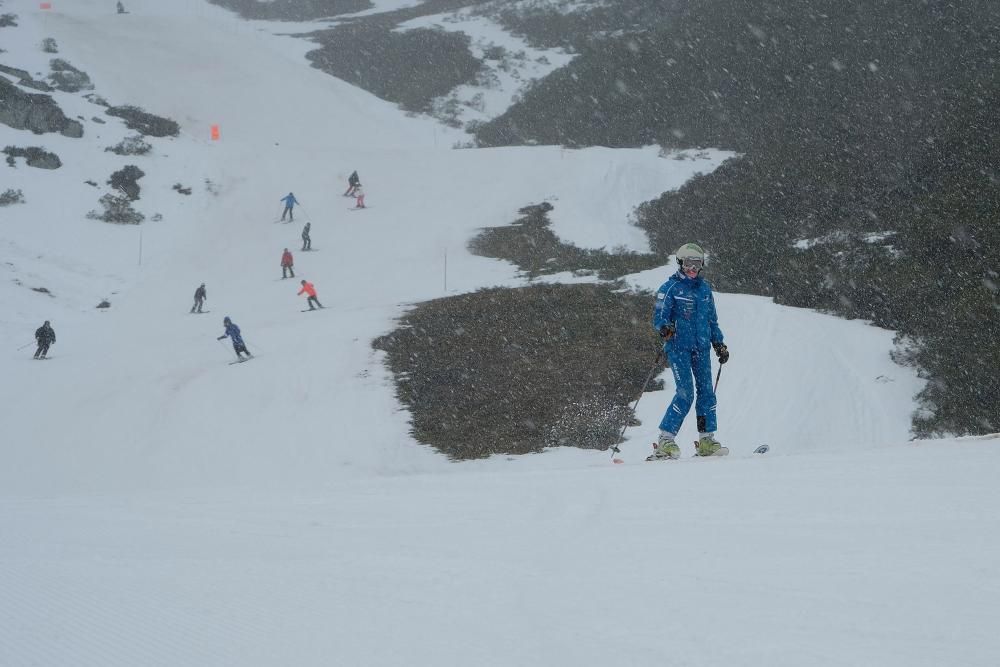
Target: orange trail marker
{"x":215,"y":133}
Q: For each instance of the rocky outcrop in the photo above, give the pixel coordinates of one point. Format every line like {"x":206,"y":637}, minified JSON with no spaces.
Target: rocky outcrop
{"x":126,"y":180}
{"x":34,"y":111}
{"x":145,"y":123}
{"x":67,"y":78}
{"x":24,"y":79}
{"x":34,"y":157}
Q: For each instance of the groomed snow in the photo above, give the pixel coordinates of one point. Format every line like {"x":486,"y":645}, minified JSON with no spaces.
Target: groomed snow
{"x":160,"y":507}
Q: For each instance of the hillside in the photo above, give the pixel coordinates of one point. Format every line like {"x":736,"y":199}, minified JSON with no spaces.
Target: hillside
{"x":868,"y":134}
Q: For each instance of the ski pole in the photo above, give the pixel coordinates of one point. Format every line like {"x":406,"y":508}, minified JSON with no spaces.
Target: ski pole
{"x":717,"y":375}
{"x":24,"y":346}
{"x":614,"y":448}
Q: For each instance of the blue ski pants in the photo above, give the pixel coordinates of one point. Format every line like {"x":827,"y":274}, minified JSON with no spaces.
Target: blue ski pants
{"x":688,"y":364}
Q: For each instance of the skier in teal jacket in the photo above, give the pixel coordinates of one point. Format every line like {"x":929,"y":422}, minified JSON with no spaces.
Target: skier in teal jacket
{"x":290,"y":202}
{"x":686,"y":319}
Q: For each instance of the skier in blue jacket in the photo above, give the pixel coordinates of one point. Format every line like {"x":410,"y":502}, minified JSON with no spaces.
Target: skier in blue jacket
{"x":290,"y":202}
{"x":685,"y":318}
{"x":233,"y":332}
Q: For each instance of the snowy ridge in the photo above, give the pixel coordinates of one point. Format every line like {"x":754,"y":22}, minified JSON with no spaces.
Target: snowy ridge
{"x":159,"y":507}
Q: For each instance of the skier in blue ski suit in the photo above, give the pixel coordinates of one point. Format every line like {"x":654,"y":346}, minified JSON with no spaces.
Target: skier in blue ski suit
{"x":233,"y":332}
{"x":290,"y":202}
{"x":686,"y":319}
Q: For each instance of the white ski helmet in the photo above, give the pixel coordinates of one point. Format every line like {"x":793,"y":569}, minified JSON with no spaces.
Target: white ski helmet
{"x":691,"y":256}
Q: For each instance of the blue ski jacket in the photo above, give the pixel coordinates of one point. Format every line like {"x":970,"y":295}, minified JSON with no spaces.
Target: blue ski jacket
{"x":233,"y":332}
{"x":290,"y":200}
{"x":688,"y":305}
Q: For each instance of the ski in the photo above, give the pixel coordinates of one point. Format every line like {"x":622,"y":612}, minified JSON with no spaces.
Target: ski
{"x":309,"y":310}
{"x":724,"y":451}
{"x":356,"y":208}
{"x":199,"y":312}
{"x":240,"y":360}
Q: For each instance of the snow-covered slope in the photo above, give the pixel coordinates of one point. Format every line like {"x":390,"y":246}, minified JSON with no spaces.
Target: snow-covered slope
{"x":159,"y":506}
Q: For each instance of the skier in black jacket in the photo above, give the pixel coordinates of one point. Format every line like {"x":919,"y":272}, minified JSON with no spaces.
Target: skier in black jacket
{"x":199,"y":298}
{"x":353,"y":181}
{"x":45,"y":337}
{"x":307,"y":243}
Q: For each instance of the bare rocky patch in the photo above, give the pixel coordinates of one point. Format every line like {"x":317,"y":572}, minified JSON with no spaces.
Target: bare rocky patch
{"x":34,"y":156}
{"x":145,"y":123}
{"x":529,"y":243}
{"x":36,"y":112}
{"x":513,"y":371}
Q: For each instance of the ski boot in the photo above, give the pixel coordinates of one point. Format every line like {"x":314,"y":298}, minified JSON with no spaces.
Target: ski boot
{"x":707,"y":445}
{"x":665,"y":449}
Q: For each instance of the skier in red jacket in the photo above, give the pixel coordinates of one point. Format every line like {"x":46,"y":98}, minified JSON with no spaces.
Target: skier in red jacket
{"x":286,"y":264}
{"x":310,"y":291}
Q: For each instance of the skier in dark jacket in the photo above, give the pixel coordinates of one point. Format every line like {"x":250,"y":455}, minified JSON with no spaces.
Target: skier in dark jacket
{"x":233,"y":332}
{"x":199,"y":298}
{"x":352,"y":184}
{"x":307,"y":243}
{"x":45,"y":337}
{"x":686,"y":320}
{"x":290,"y":202}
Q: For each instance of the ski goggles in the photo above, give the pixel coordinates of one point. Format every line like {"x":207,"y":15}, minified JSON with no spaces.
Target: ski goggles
{"x":692,"y":263}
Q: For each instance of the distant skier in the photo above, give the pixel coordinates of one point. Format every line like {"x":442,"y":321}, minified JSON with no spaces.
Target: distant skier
{"x":307,"y":243}
{"x":290,"y":202}
{"x":121,"y":8}
{"x":286,"y":264}
{"x":310,"y":291}
{"x":360,"y":195}
{"x":352,"y":183}
{"x":233,"y":332}
{"x":199,"y":298}
{"x":686,"y":320}
{"x":45,"y":337}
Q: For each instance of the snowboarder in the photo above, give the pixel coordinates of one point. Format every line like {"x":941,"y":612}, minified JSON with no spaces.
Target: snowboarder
{"x":290,"y":202}
{"x":360,"y":195}
{"x":199,"y":298}
{"x":45,"y":337}
{"x":307,"y":243}
{"x":310,"y":291}
{"x":233,"y":332}
{"x":352,"y":183}
{"x":686,"y":320}
{"x":286,"y":264}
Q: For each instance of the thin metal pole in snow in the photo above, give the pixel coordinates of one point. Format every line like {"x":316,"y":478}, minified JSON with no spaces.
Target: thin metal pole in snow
{"x":614,"y":448}
{"x":445,"y":269}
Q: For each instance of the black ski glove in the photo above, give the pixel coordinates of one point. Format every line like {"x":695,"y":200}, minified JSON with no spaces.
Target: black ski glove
{"x":667,"y":332}
{"x":722,"y":351}
{"x":220,"y":338}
